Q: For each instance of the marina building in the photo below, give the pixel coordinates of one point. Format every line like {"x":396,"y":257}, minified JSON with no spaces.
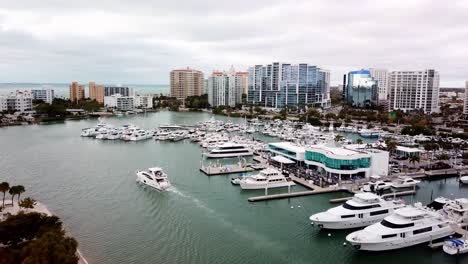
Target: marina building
{"x":414,"y":90}
{"x":96,"y":92}
{"x":16,"y":102}
{"x":361,"y":89}
{"x":226,"y":88}
{"x":143,"y":101}
{"x":282,"y":84}
{"x":45,"y":94}
{"x":186,"y":82}
{"x":347,"y":162}
{"x":465,"y":101}
{"x":381,"y":77}
{"x":288,"y":150}
{"x":119,"y":102}
{"x":77,"y":92}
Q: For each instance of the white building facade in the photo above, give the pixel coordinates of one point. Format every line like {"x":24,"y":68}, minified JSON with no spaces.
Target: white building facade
{"x":19,"y":102}
{"x":414,"y":90}
{"x":119,"y":102}
{"x":465,"y":103}
{"x":381,"y":76}
{"x":46,"y":95}
{"x":143,"y":101}
{"x":225,"y":88}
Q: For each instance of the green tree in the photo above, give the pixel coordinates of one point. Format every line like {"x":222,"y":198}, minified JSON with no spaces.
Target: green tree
{"x":27,"y":203}
{"x":4,"y":187}
{"x":13,"y":191}
{"x":413,"y":159}
{"x":338,"y":138}
{"x":359,"y":141}
{"x":391,"y":146}
{"x":19,"y":190}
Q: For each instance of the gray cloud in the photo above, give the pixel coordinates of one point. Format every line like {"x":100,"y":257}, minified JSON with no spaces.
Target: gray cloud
{"x":141,"y":41}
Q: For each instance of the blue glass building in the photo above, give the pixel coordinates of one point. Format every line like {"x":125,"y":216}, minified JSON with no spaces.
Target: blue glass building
{"x":361,"y":89}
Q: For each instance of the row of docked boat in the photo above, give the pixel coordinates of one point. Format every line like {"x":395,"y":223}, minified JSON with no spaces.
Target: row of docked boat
{"x":390,"y":224}
{"x":382,"y":185}
{"x":129,"y":132}
{"x":266,"y":179}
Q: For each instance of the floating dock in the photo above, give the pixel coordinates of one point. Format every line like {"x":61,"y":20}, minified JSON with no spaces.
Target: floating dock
{"x":223,"y":170}
{"x":457,"y":228}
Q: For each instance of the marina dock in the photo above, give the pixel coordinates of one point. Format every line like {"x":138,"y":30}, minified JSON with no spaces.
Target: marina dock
{"x":226,"y":169}
{"x":459,"y":229}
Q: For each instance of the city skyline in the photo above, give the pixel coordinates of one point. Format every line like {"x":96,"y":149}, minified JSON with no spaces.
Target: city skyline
{"x":118,"y":43}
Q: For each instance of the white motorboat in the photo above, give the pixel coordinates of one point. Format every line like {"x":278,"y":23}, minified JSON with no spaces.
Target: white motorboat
{"x":456,"y":246}
{"x":408,"y":226}
{"x":229,"y":150}
{"x":236,"y":181}
{"x":114,"y":134}
{"x":266,"y":179}
{"x":405,"y":182}
{"x":154,"y":177}
{"x":376,"y":186}
{"x":362,"y":210}
{"x":139,"y":134}
{"x":464,"y":179}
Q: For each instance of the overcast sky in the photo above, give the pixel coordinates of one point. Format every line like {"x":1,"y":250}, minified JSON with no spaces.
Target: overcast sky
{"x":131,"y":41}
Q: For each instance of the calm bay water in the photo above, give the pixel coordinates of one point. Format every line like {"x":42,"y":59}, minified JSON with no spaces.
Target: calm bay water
{"x":91,"y":185}
{"x":62,"y":90}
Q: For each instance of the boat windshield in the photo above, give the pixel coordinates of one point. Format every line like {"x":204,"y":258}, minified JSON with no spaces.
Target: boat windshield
{"x":352,"y":207}
{"x":393,"y":225}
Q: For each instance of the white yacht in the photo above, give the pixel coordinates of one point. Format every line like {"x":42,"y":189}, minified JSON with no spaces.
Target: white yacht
{"x":408,"y":226}
{"x":114,"y":134}
{"x":154,"y":177}
{"x":266,"y":179}
{"x":464,"y":179}
{"x":455,"y":246}
{"x":363,"y":210}
{"x":139,"y":134}
{"x":163,"y":135}
{"x":405,"y":182}
{"x":376,"y":186}
{"x":229,"y":150}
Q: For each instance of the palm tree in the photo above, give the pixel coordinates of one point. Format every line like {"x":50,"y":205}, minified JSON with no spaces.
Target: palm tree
{"x":20,"y":189}
{"x":413,"y":159}
{"x":338,"y":138}
{"x":4,"y":187}
{"x":13,"y":191}
{"x":359,"y":141}
{"x":391,"y":146}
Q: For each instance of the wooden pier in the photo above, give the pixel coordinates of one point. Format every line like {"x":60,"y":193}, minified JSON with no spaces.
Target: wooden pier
{"x":292,"y":194}
{"x":344,"y":199}
{"x":223,"y":170}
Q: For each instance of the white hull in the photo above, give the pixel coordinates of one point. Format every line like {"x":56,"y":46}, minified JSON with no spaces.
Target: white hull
{"x":349,"y":224}
{"x":257,"y":186}
{"x":390,"y":244}
{"x":401,"y":186}
{"x":133,"y":138}
{"x":160,"y":187}
{"x":464,"y":179}
{"x":456,"y":250}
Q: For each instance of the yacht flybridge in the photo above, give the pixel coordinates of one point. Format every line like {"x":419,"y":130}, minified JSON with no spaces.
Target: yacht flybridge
{"x":154,"y":177}
{"x":362,"y":210}
{"x":229,"y":150}
{"x":266,"y":179}
{"x":408,"y":226}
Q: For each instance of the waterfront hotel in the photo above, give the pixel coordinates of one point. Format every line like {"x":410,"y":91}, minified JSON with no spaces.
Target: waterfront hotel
{"x":282,"y":84}
{"x":346,"y":162}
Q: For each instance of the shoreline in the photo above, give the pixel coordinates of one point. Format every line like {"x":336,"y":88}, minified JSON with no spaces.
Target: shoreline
{"x":38,"y":208}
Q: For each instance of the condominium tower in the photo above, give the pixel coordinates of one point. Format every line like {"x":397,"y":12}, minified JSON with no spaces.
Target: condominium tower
{"x":96,"y":92}
{"x":282,"y":84}
{"x":465,"y":103}
{"x":77,"y":92}
{"x":381,"y":76}
{"x":414,"y":90}
{"x":186,"y":82}
{"x":361,"y":89}
{"x":44,"y":94}
{"x":226,"y":88}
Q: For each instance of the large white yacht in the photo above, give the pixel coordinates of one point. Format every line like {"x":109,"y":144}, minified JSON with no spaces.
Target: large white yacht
{"x":408,"y":226}
{"x":154,"y":177}
{"x":405,"y":182}
{"x":139,"y":134}
{"x":376,"y":186}
{"x":229,"y":150}
{"x":266,"y":179}
{"x":363,"y":210}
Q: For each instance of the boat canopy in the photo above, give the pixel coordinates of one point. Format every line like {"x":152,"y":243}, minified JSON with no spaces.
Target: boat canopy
{"x":457,"y":242}
{"x":282,"y":160}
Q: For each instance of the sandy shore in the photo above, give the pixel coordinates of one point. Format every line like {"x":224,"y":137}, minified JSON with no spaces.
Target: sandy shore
{"x":38,"y":208}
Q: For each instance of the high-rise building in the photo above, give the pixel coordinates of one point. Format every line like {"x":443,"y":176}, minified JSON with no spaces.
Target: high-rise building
{"x":281,"y":84}
{"x":143,"y":101}
{"x":186,"y":82}
{"x":119,"y":102}
{"x":77,"y":92}
{"x":96,"y":92}
{"x":244,"y":76}
{"x":124,"y":91}
{"x":226,"y":88}
{"x":465,"y":103}
{"x":381,"y":76}
{"x":414,"y":90}
{"x":44,"y":94}
{"x":361,"y":89}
